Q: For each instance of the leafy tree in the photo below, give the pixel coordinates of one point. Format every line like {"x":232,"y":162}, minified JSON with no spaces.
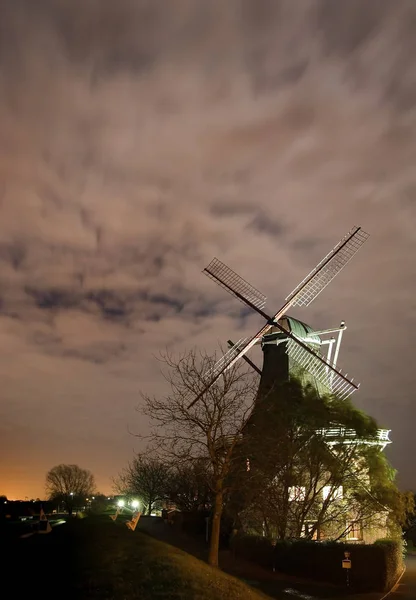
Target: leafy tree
{"x":407,"y":504}
{"x":70,"y":485}
{"x":146,"y":477}
{"x":209,"y":430}
{"x":298,"y":484}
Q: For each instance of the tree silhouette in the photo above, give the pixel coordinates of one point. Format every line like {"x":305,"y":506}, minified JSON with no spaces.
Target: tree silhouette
{"x":209,"y":430}
{"x":69,"y":484}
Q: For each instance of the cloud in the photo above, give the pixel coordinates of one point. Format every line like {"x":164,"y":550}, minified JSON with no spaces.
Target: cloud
{"x":140,"y":139}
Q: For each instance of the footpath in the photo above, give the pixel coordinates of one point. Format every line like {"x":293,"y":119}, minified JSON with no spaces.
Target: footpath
{"x":406,"y":588}
{"x":274,"y":584}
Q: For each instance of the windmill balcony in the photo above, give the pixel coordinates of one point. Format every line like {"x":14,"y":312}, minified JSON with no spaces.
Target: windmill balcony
{"x":336,"y":435}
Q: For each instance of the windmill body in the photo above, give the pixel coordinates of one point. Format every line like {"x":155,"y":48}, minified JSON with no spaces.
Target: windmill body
{"x":277,"y":364}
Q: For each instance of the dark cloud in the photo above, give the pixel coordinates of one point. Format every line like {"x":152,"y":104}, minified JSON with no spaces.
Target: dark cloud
{"x":53,"y":298}
{"x":14,"y":253}
{"x":140,"y":139}
{"x":267,"y":225}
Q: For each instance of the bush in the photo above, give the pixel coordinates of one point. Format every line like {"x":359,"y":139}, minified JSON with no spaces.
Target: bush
{"x":374,"y":567}
{"x":393,"y":552}
{"x":254,"y":548}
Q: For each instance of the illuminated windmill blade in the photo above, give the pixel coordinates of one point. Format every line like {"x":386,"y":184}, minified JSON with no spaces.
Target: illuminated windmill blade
{"x":318,"y":367}
{"x":248,"y":361}
{"x":328,"y":268}
{"x":235,"y":285}
{"x":242,"y":347}
{"x":225,"y":362}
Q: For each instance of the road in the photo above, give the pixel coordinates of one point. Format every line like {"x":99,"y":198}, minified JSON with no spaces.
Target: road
{"x":406,"y":590}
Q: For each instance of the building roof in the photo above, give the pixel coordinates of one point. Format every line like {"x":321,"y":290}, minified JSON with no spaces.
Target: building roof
{"x":300,"y":329}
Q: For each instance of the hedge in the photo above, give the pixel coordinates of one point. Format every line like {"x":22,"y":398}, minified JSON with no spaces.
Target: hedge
{"x":375,"y":567}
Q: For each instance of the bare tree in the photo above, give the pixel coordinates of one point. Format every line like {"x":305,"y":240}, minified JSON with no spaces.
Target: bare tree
{"x":189,"y":487}
{"x":211,"y":429}
{"x":69,"y":484}
{"x":146,"y":477}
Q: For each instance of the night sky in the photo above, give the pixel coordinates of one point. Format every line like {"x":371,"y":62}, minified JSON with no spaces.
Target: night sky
{"x":138,"y":140}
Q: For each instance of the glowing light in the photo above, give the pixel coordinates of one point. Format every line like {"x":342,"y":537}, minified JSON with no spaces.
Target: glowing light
{"x":135,"y":503}
{"x":120,"y":503}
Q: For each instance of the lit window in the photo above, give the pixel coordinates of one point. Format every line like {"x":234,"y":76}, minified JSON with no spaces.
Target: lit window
{"x":297,"y":493}
{"x":354,"y":530}
{"x":336,"y":494}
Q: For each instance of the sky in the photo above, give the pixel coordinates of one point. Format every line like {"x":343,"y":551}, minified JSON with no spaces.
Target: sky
{"x":141,"y":138}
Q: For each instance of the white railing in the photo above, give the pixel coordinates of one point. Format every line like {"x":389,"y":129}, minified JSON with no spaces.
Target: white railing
{"x":341,"y":434}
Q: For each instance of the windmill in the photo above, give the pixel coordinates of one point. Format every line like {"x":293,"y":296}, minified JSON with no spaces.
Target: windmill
{"x":301,"y":344}
{"x":299,"y":350}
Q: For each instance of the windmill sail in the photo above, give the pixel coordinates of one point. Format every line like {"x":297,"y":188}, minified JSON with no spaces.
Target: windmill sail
{"x":248,"y":361}
{"x":318,"y":367}
{"x":224,"y":363}
{"x":234,"y":284}
{"x":328,"y":268}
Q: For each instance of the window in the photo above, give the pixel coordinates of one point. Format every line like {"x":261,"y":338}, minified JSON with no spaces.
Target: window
{"x":297,"y":493}
{"x":354,"y":530}
{"x":336,"y":494}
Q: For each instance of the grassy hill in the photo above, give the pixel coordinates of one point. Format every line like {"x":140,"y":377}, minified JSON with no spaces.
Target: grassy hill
{"x":97,"y":558}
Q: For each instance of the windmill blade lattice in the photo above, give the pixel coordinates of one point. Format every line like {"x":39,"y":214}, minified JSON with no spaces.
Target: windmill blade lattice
{"x":328,"y":268}
{"x":246,"y":359}
{"x":224,"y":363}
{"x":334,"y":381}
{"x":234,"y":284}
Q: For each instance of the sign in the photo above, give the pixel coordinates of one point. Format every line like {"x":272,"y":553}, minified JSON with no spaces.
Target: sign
{"x":347,"y":554}
{"x":134,"y":520}
{"x":346,"y":563}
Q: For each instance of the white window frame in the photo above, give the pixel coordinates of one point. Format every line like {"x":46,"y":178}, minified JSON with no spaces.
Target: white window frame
{"x":297,"y":493}
{"x":338,"y":494}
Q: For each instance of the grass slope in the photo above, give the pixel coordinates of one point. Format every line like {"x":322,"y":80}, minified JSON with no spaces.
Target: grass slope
{"x":119,"y":563}
{"x":97,"y":558}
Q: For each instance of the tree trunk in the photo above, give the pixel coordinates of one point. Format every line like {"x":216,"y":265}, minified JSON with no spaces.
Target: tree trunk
{"x":215,"y":530}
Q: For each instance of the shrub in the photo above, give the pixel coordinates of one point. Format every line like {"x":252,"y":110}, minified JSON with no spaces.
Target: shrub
{"x":374,"y":567}
{"x":254,"y":548}
{"x":393,"y":552}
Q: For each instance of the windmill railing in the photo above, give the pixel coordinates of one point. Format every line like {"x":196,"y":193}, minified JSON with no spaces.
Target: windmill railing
{"x":336,"y":435}
{"x":332,"y":436}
